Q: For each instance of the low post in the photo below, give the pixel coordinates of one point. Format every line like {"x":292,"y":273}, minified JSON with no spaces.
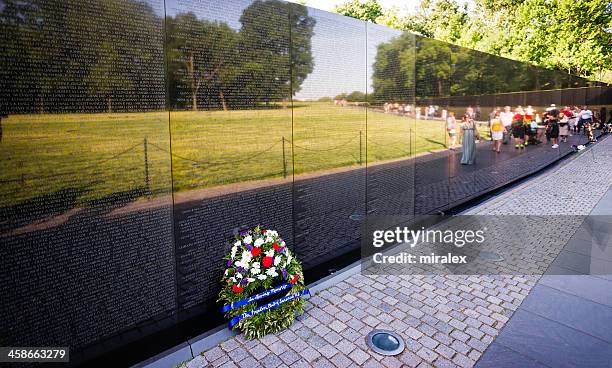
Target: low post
{"x":284,"y":159}
{"x":146,"y":163}
{"x":360,"y":147}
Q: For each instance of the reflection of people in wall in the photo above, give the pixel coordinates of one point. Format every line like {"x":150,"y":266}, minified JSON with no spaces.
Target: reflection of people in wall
{"x":506,"y":119}
{"x":451,"y":127}
{"x":497,"y":132}
{"x":470,"y":134}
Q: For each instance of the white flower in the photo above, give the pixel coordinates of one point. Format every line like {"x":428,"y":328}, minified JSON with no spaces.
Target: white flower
{"x":226,"y":272}
{"x":283,"y":243}
{"x":269,"y":239}
{"x":289,"y":258}
{"x":270,"y":252}
{"x":258,"y":242}
{"x":250,"y":279}
{"x":272,"y":272}
{"x":255,"y":269}
{"x":277,"y":260}
{"x":238,"y":275}
{"x":271,"y":233}
{"x":247,"y":239}
{"x":233,"y":280}
{"x":237,"y":243}
{"x":246,"y":256}
{"x":234,"y":251}
{"x":262,"y":277}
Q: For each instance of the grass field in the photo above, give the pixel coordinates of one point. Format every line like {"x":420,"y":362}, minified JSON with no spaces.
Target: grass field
{"x":97,"y":157}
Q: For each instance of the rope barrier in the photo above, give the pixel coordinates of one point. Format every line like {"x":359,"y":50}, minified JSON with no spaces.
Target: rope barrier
{"x":73,"y":172}
{"x":213,"y":164}
{"x":326,"y":149}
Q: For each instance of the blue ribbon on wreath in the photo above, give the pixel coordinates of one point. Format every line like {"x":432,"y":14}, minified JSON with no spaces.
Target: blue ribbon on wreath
{"x":254,"y":298}
{"x":266,"y":307}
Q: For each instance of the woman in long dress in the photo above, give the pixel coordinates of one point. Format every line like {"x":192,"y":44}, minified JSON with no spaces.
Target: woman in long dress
{"x":468,"y":140}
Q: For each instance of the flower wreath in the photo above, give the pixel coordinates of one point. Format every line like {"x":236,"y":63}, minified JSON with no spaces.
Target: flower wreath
{"x":260,"y":260}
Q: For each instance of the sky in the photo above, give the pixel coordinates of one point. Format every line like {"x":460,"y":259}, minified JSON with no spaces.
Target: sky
{"x":405,"y":6}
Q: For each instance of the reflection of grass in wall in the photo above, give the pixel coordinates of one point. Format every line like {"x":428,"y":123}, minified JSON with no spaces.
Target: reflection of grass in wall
{"x":55,"y":152}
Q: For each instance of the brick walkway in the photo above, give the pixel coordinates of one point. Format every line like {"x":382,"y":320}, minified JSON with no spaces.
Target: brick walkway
{"x":445,"y":320}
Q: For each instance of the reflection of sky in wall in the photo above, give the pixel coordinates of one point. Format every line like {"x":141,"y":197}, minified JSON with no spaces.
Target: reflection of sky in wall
{"x":338,"y":45}
{"x":338,"y":49}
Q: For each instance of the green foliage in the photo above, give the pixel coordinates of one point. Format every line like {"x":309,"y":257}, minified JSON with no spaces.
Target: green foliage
{"x":265,"y":45}
{"x":356,"y":96}
{"x":325,"y":99}
{"x":369,"y":10}
{"x":109,"y":56}
{"x":567,"y":35}
{"x":410,"y":65}
{"x":54,"y":60}
{"x":212,"y":65}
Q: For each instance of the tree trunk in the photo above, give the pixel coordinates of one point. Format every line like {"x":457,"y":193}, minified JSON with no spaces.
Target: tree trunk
{"x":440,"y":88}
{"x":109,"y":104}
{"x":41,"y":105}
{"x":194,"y":84}
{"x":222,"y":97}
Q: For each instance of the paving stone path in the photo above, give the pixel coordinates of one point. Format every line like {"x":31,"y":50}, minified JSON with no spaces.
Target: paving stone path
{"x":446,"y":321}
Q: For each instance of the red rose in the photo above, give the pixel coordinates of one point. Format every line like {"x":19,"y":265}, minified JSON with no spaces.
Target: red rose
{"x":267,"y":261}
{"x":237,"y":289}
{"x":264,"y":232}
{"x":276,"y":246}
{"x":255,"y":251}
{"x":294,"y":279}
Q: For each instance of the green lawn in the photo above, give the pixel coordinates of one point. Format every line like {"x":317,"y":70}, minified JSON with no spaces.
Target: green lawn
{"x":92,"y":156}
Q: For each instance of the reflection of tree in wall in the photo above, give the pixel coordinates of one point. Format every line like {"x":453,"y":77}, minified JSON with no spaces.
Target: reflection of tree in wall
{"x":63,"y":55}
{"x":439,"y":69}
{"x":213,"y":66}
{"x":393,"y":74}
{"x":106,"y":76}
{"x":202,"y":57}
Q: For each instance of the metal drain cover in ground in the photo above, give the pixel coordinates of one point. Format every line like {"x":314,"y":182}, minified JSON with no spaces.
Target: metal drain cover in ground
{"x":385,"y":342}
{"x":490,"y":256}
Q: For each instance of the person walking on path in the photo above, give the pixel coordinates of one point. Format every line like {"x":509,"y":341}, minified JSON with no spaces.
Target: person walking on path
{"x":497,"y":132}
{"x":451,"y":128}
{"x":552,"y":128}
{"x":468,"y":141}
{"x":585,"y":116}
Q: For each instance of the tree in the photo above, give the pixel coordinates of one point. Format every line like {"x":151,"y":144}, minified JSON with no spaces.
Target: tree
{"x":369,"y":10}
{"x":58,"y":57}
{"x":356,"y":96}
{"x":106,"y":76}
{"x":275,"y":42}
{"x":393,"y":70}
{"x":201,"y":58}
{"x":565,"y":35}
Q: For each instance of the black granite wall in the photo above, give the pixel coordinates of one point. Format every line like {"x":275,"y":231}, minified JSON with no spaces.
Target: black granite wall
{"x":136,"y":136}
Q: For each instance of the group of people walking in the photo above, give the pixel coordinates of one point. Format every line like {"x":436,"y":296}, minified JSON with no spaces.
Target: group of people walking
{"x":525,"y":126}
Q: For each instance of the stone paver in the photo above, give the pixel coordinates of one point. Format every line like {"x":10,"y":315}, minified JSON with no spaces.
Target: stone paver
{"x":445,"y":320}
